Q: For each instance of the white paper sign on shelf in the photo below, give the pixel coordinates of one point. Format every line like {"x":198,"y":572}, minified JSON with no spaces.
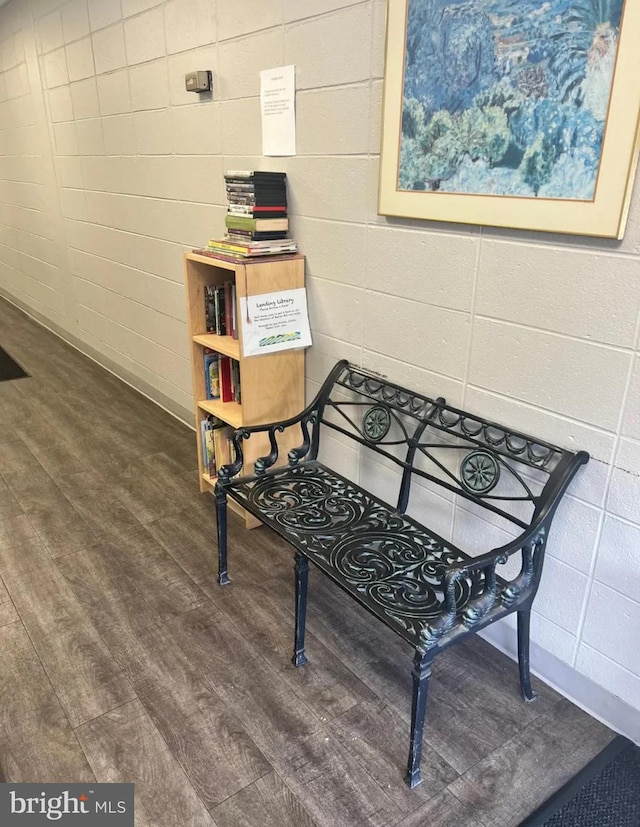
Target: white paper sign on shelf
{"x":275,"y":321}
{"x":278,"y":109}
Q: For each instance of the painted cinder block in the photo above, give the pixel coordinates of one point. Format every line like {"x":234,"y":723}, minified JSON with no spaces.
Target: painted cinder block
{"x":149,"y":85}
{"x":84,"y":98}
{"x":335,"y":309}
{"x":327,"y":187}
{"x":196,"y":130}
{"x":378,"y":39}
{"x":437,"y":269}
{"x":103,"y":12}
{"x":571,"y":377}
{"x":241,"y":133}
{"x":618,"y":561}
{"x":621,"y":682}
{"x":49,"y":32}
{"x":631,"y":418}
{"x":119,"y":136}
{"x":624,"y":489}
{"x":69,"y":172}
{"x":75,"y":20}
{"x":333,"y":250}
{"x":144,"y":37}
{"x":108,"y":49}
{"x":348,"y":106}
{"x":55,"y":68}
{"x":418,"y":378}
{"x":90,"y":138}
{"x":348,"y":59}
{"x":561,"y":595}
{"x":241,"y":60}
{"x":574,"y":532}
{"x":559,"y":290}
{"x":80,"y":59}
{"x":113,"y":93}
{"x":375,"y":117}
{"x":617,"y":640}
{"x":301,"y":9}
{"x":65,"y":138}
{"x":256,"y":16}
{"x":60,"y":106}
{"x":188,"y":24}
{"x":439,"y":340}
{"x":153,"y":132}
{"x":131,"y":7}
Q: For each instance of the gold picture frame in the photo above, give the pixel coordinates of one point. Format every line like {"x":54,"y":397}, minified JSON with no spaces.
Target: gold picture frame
{"x":536,"y":143}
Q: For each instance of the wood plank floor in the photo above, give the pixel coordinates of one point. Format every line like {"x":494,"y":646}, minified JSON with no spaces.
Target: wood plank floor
{"x":122,"y":660}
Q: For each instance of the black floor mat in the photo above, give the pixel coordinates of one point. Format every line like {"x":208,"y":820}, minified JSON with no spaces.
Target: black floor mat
{"x":605,"y":793}
{"x":9,"y":369}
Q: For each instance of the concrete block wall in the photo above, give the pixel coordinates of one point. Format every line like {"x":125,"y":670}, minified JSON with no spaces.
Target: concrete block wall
{"x":109,"y":169}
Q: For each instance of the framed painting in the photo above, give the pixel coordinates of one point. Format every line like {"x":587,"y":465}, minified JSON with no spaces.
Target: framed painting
{"x":512,"y":113}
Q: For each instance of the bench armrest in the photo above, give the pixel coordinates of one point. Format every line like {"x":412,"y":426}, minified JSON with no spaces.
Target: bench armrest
{"x":477,"y":609}
{"x":309,"y":416}
{"x":531,"y":543}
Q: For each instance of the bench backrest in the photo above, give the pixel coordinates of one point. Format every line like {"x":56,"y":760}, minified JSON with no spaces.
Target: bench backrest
{"x":495,"y":467}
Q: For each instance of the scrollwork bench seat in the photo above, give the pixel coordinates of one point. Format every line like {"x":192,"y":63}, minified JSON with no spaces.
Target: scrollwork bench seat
{"x":420,"y":585}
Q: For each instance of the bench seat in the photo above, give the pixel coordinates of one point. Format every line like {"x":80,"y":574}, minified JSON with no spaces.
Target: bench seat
{"x":387,"y":561}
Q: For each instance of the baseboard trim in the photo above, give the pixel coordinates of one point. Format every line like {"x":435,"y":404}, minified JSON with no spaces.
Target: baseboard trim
{"x":178,"y":411}
{"x":578,"y":688}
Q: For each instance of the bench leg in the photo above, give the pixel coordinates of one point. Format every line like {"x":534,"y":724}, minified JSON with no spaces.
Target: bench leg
{"x":421,"y":673}
{"x":302,"y":577}
{"x":221,"y":506}
{"x":524,"y":617}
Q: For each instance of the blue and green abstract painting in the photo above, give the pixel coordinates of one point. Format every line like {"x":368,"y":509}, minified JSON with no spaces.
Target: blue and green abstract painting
{"x":507,"y":97}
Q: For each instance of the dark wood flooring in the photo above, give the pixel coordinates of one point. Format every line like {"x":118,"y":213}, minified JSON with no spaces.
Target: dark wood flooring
{"x":122,"y":660}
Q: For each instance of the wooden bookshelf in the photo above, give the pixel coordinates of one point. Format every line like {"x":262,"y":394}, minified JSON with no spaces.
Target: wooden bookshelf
{"x":272,"y":386}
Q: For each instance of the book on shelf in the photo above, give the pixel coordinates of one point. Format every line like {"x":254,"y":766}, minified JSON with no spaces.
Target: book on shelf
{"x":237,"y":258}
{"x":219,"y":311}
{"x":215,"y":436}
{"x":222,"y":377}
{"x":267,"y":193}
{"x":253,"y":248}
{"x":247,"y":235}
{"x":257,"y":211}
{"x":256,"y":225}
{"x":223,"y":446}
{"x":219,"y":302}
{"x":226,"y":389}
{"x":208,"y":426}
{"x":211,"y":374}
{"x":229,"y":299}
{"x":255,"y":174}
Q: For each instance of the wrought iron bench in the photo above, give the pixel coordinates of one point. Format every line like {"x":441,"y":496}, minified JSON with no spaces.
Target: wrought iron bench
{"x":420,"y":585}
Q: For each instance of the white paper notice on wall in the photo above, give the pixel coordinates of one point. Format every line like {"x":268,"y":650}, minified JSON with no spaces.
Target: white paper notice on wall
{"x":278,"y":108}
{"x":275,"y":321}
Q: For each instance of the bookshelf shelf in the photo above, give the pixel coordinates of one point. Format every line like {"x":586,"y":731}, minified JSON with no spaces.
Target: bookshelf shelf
{"x":230,"y":412}
{"x":272,"y":386}
{"x":222,"y":344}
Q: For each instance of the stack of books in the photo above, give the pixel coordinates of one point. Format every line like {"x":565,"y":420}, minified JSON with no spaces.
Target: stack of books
{"x":256,"y":220}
